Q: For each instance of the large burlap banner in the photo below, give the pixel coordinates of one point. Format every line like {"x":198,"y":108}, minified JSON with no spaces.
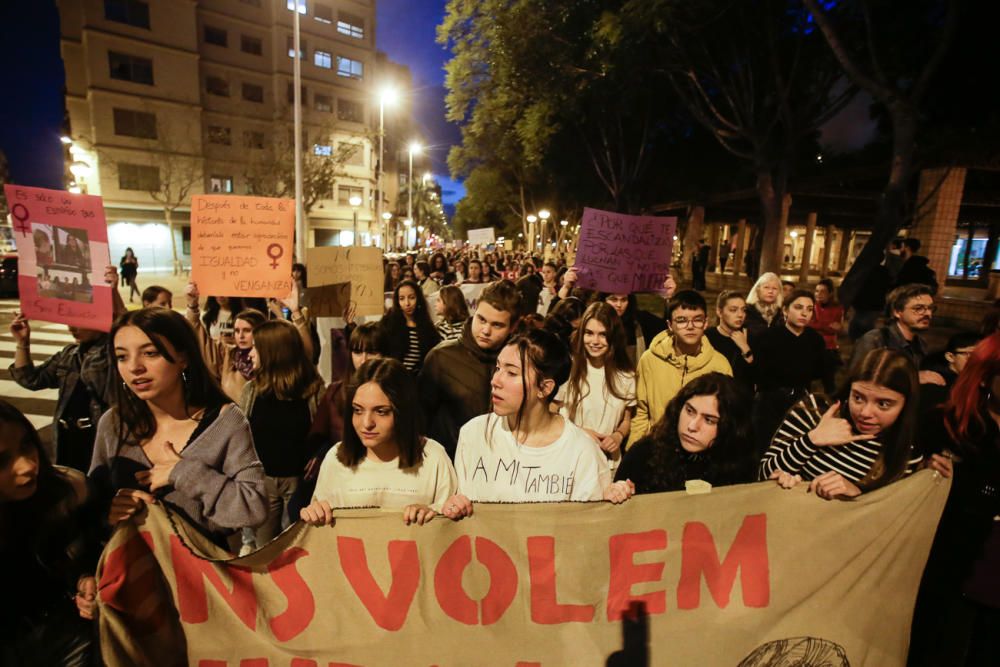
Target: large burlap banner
{"x":742,"y":576}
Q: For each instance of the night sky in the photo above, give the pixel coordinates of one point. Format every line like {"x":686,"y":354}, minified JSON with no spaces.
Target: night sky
{"x":31,"y":78}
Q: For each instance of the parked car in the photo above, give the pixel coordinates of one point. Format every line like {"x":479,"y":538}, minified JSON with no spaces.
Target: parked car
{"x":8,"y":275}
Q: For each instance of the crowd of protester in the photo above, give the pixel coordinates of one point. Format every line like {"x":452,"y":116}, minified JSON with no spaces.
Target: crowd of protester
{"x":492,"y":377}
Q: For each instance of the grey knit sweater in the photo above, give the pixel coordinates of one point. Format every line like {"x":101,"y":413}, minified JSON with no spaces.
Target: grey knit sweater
{"x":218,"y":484}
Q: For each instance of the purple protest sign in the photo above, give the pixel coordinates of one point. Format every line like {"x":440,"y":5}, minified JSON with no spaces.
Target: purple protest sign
{"x":620,"y":253}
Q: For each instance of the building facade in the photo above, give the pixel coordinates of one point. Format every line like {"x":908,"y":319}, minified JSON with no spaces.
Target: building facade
{"x":170,"y":98}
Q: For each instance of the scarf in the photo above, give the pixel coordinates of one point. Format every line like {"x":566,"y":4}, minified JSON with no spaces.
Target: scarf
{"x":242,"y":362}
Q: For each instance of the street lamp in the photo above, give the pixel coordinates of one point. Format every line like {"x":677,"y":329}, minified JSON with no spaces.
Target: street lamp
{"x":413,"y":148}
{"x":389,"y":96}
{"x":355,"y":202}
{"x":544,"y":215}
{"x":386,"y":217}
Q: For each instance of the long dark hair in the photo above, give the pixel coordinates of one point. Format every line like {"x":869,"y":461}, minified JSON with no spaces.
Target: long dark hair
{"x":285,"y":369}
{"x":401,"y":388}
{"x":395,"y":322}
{"x":616,"y":359}
{"x":893,"y":370}
{"x":212,"y":309}
{"x":730,"y":458}
{"x":201,"y":389}
{"x":545,"y":353}
{"x":29,"y":518}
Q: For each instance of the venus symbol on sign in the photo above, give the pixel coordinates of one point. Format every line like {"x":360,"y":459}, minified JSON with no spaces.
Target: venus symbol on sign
{"x":275,"y":251}
{"x":20,"y":213}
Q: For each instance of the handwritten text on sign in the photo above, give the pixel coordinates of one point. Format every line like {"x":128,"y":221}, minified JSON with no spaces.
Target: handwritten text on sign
{"x":62,"y":241}
{"x":621,"y":253}
{"x":338,"y":274}
{"x":242,"y":246}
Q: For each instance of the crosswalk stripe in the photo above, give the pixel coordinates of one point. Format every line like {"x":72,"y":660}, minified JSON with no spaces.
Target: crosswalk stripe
{"x":10,"y":347}
{"x":10,"y":389}
{"x":46,"y":336}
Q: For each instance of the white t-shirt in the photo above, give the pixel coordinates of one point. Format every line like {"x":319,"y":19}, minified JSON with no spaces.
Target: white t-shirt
{"x":598,"y":409}
{"x":545,"y":300}
{"x":385,"y":484}
{"x":493,"y":467}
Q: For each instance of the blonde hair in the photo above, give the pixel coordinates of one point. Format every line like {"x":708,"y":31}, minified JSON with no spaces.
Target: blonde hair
{"x":753,"y":298}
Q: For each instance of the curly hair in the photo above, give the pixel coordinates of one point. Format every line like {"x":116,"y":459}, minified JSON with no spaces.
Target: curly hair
{"x":729,"y":459}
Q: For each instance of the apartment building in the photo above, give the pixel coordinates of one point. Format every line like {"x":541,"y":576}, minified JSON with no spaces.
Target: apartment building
{"x":169,"y":98}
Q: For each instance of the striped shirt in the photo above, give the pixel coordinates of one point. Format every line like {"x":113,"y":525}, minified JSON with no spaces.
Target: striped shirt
{"x":412,"y":360}
{"x":450,"y":330}
{"x":793,"y":452}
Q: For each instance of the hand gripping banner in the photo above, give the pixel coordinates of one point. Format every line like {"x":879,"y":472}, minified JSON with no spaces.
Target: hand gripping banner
{"x":748,"y":575}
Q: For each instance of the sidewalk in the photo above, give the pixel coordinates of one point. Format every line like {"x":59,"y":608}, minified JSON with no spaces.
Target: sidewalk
{"x":176,"y":284}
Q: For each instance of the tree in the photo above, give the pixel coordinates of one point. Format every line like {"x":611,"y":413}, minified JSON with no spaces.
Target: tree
{"x":179,"y":172}
{"x":898,"y":79}
{"x":753,"y":76}
{"x":270,"y":166}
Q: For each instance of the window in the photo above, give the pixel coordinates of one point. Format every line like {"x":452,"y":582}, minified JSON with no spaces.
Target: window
{"x":325,"y":151}
{"x":138,"y":177}
{"x":355,"y":153}
{"x":216,"y":36}
{"x":217,"y":86}
{"x":323,"y":13}
{"x":130,"y":12}
{"x":323,"y":102}
{"x":302,"y":6}
{"x":350,"y":25}
{"x":323,"y":59}
{"x":291,"y":95}
{"x":130,"y":123}
{"x":221,"y":136}
{"x":221,"y":184}
{"x":253,"y":93}
{"x":251,"y":45}
{"x":303,"y":44}
{"x":253,"y":139}
{"x":354,"y":69}
{"x":350,"y":110}
{"x":130,"y":68}
{"x":345,"y":192}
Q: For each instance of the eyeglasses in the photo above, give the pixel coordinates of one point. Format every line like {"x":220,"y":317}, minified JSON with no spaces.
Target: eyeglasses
{"x":922,"y":309}
{"x":684,"y":323}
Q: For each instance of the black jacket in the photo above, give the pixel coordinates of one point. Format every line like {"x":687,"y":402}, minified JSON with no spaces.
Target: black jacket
{"x":455,"y":386}
{"x":917,"y":270}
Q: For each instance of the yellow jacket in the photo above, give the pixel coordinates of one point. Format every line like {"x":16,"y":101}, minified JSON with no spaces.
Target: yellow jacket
{"x":662,"y":372}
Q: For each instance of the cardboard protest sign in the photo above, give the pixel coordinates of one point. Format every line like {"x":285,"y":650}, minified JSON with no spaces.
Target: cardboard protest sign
{"x":339,"y":275}
{"x":482,"y":236}
{"x":242,"y":245}
{"x":62,"y":248}
{"x":725,"y":578}
{"x":621,"y":253}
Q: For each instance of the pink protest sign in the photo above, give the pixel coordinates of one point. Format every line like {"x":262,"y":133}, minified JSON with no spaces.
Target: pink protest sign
{"x":620,"y":253}
{"x":62,"y":248}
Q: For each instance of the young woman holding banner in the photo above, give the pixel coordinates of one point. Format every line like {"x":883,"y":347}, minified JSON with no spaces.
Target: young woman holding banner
{"x":523,"y":435}
{"x":702,"y":435}
{"x":382,"y":461}
{"x":862,"y":441}
{"x":173,"y":435}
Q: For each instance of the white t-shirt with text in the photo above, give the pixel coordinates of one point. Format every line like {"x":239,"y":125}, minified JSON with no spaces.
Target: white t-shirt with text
{"x":493,"y":467}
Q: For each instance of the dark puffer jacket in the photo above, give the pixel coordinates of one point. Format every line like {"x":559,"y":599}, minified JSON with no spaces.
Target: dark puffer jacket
{"x":455,"y":386}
